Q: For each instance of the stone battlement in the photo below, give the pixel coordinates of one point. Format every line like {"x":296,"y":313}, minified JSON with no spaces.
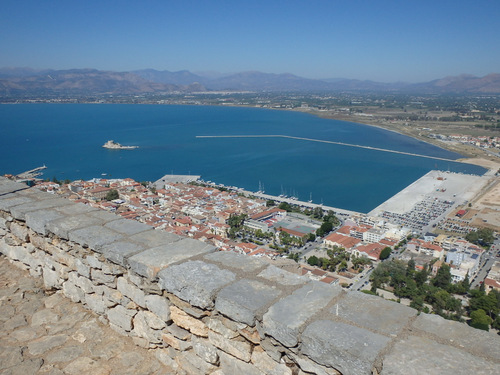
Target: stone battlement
{"x":207,"y":312}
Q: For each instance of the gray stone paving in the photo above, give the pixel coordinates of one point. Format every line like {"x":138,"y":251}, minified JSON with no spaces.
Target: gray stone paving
{"x":50,"y":335}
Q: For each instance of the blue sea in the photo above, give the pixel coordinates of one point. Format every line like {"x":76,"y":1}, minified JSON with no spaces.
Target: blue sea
{"x":68,"y":139}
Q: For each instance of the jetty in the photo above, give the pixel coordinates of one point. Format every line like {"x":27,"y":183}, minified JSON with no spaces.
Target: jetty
{"x":330,"y":142}
{"x":32,"y":173}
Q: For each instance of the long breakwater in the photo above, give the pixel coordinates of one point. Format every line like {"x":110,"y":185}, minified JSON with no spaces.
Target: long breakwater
{"x":330,"y":142}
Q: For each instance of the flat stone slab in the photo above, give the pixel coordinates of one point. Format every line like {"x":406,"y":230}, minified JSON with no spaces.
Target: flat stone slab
{"x":76,"y":209}
{"x":8,"y":186}
{"x":104,"y":216}
{"x":62,"y":227}
{"x":149,"y":262}
{"x":48,"y":201}
{"x":285,"y":318}
{"x":373,"y":312}
{"x":119,"y":251}
{"x":459,"y":334}
{"x":242,"y":300}
{"x":128,"y":227}
{"x":195,"y":282}
{"x":37,"y":220}
{"x":418,"y":355}
{"x":280,"y":276}
{"x":241,"y":262}
{"x":10,"y":200}
{"x":94,"y":237}
{"x":348,"y":349}
{"x":154,"y":238}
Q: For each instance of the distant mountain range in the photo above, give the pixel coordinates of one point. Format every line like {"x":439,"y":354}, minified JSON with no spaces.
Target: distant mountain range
{"x":29,"y":82}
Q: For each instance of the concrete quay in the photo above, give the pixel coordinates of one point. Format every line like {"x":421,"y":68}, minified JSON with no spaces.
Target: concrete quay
{"x":42,"y":333}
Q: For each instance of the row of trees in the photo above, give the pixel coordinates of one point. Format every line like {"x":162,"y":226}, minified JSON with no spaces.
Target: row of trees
{"x":438,"y":292}
{"x":338,"y":261}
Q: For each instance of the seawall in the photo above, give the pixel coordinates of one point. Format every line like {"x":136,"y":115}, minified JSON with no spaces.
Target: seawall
{"x":206,"y":312}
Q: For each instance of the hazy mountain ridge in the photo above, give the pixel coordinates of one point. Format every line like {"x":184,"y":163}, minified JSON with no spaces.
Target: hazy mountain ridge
{"x":26,"y":81}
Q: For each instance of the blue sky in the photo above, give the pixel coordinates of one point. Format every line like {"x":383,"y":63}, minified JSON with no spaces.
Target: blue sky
{"x":381,"y":40}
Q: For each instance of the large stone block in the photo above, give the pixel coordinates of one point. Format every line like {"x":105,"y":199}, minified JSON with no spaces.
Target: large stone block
{"x":149,"y":262}
{"x":154,"y":238}
{"x":20,"y":231}
{"x":195,"y":282}
{"x":350,"y":350}
{"x":121,"y":317}
{"x":7,"y":186}
{"x":128,"y":227}
{"x":284,"y":318}
{"x":73,"y":292}
{"x":158,"y":305}
{"x":241,"y":263}
{"x":118,"y":252}
{"x":373,"y":312}
{"x":187,"y":322}
{"x":76,"y":209}
{"x":280,"y":276}
{"x":43,"y":202}
{"x":131,"y":291}
{"x":9,"y":201}
{"x":458,"y":334}
{"x":240,"y":349}
{"x":242,"y":300}
{"x":37,"y":220}
{"x":61,"y":227}
{"x":94,"y":236}
{"x":418,"y":355}
{"x":147,"y":325}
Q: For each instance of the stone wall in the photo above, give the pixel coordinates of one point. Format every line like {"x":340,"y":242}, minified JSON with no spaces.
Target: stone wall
{"x":207,"y":312}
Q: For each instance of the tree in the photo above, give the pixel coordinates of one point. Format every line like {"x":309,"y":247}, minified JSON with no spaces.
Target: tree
{"x":483,"y":237}
{"x":480,"y":320}
{"x":386,"y":252}
{"x":325,"y":228}
{"x":313,"y":260}
{"x":443,"y":277}
{"x":270,"y":203}
{"x":112,"y":195}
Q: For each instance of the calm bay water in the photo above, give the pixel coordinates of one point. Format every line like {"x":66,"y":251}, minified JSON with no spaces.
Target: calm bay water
{"x":68,"y":139}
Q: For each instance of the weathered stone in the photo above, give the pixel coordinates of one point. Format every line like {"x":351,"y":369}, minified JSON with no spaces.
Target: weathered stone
{"x":149,"y":262}
{"x":267,"y":365}
{"x":85,"y":365}
{"x":66,"y":354}
{"x":193,"y":364}
{"x":51,"y":279}
{"x":128,"y":227}
{"x":158,"y":305}
{"x":349,"y":349}
{"x":10,"y":357}
{"x":239,"y":262}
{"x":242,"y":300}
{"x":100,"y":277}
{"x":240,"y":349}
{"x":46,"y":343}
{"x":73,"y":292}
{"x":280,"y":276}
{"x":61,"y":227}
{"x":179,"y":332}
{"x":284,"y":319}
{"x":81,"y":282}
{"x":311,"y":367}
{"x":121,"y":317}
{"x":76,"y":209}
{"x":364,"y":310}
{"x":82,"y":268}
{"x":147,"y":325}
{"x":458,"y":334}
{"x":28,"y":366}
{"x":418,"y":355}
{"x":187,"y":307}
{"x":37,"y":220}
{"x":164,"y":356}
{"x":131,"y":291}
{"x":217,"y":326}
{"x":95,"y":236}
{"x":20,"y":231}
{"x":195,"y":282}
{"x":43,"y":202}
{"x":154,"y":238}
{"x":14,"y":322}
{"x":95,"y":303}
{"x":231,"y":365}
{"x":175,"y":342}
{"x":188,"y":322}
{"x":118,"y":252}
{"x":44,"y":316}
{"x":7,"y":202}
{"x":251,"y":334}
{"x":205,"y":350}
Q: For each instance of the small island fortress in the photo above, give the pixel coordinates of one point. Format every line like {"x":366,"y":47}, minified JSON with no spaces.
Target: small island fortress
{"x":116,"y":146}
